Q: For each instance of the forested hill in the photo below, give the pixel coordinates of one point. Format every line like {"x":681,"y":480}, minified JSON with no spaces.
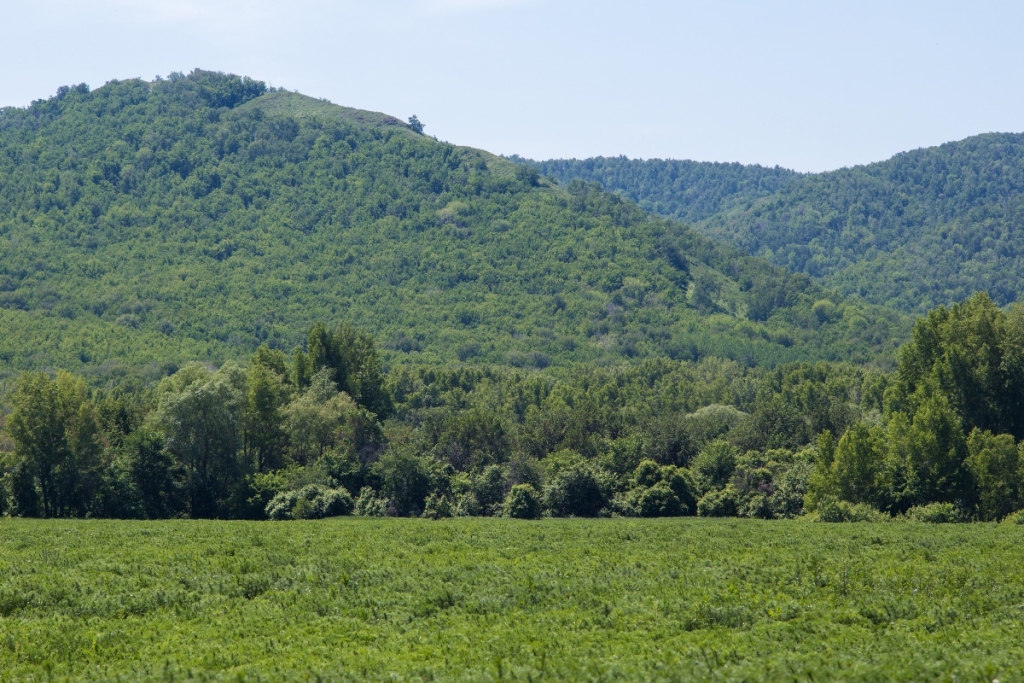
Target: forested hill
{"x":688,"y":191}
{"x":923,"y":228}
{"x":147,"y":223}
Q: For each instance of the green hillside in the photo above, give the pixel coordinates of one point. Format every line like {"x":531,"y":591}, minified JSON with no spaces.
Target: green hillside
{"x":924,"y":228}
{"x":687,"y":191}
{"x":146,"y":224}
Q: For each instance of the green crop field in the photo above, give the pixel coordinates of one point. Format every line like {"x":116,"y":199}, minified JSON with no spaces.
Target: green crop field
{"x":490,"y":599}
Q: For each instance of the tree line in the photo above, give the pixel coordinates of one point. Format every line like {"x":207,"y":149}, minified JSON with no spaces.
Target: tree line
{"x":326,"y":431}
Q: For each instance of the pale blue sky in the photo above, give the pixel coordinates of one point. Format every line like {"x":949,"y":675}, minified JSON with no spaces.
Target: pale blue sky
{"x":806,"y":85}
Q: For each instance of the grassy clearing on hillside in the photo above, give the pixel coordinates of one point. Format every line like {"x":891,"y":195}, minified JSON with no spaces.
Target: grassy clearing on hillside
{"x":486,"y":599}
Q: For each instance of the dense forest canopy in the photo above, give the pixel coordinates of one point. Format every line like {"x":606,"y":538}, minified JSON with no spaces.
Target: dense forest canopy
{"x":326,"y":432}
{"x":147,"y":224}
{"x":924,"y":228}
{"x":687,"y":191}
{"x":280,"y":435}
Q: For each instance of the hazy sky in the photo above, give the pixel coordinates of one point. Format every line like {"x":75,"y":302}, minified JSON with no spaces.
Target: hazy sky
{"x":806,"y":85}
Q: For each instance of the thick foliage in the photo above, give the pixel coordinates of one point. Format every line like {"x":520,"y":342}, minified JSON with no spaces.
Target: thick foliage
{"x":310,"y":502}
{"x":949,"y":432}
{"x":924,"y":228}
{"x":688,"y":191}
{"x":144,"y":225}
{"x":655,"y":438}
{"x":276,"y":437}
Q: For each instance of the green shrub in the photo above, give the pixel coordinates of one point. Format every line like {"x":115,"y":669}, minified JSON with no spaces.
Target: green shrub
{"x":405,"y":480}
{"x":935,"y":513}
{"x":369,"y":504}
{"x":624,"y":454}
{"x":831,"y":509}
{"x":1014,"y":518}
{"x":576,"y":492}
{"x":718,"y":503}
{"x":280,"y":506}
{"x":714,"y":465}
{"x":790,"y":489}
{"x":438,"y":506}
{"x":658,"y":501}
{"x":466,"y":505}
{"x":310,"y":502}
{"x":647,"y":473}
{"x":758,"y":505}
{"x":22,"y":498}
{"x":680,"y":480}
{"x":489,"y":489}
{"x":658,"y":491}
{"x":522,"y":502}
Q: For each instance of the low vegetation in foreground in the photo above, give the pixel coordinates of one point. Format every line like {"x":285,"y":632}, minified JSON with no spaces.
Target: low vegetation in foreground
{"x":491,"y":599}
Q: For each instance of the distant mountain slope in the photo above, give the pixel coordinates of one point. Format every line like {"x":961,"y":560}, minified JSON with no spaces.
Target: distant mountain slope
{"x":199,"y":216}
{"x":688,"y":191}
{"x":926,"y":227}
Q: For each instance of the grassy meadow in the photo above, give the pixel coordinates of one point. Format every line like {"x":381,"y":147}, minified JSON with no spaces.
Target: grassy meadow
{"x":491,"y":599}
